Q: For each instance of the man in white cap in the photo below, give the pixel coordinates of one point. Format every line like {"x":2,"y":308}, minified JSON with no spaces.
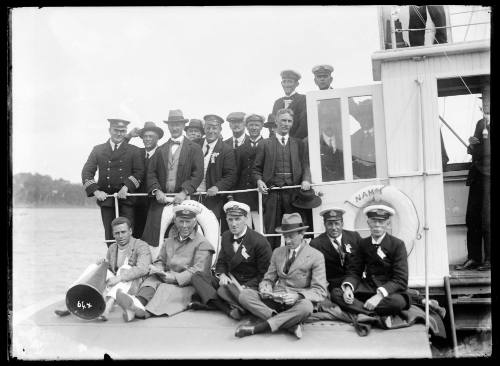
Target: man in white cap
{"x":121,"y":171}
{"x":293,"y":100}
{"x":292,"y":287}
{"x":242,"y":262}
{"x":384,"y":258}
{"x":237,"y":124}
{"x":168,"y":290}
{"x":337,"y":245}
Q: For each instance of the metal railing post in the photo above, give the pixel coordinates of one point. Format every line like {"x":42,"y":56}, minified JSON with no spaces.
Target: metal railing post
{"x":261,"y":214}
{"x":117,"y":212}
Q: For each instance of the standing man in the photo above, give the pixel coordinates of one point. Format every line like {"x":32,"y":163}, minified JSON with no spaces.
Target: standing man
{"x":237,"y":124}
{"x":323,"y":76}
{"x":194,"y":130}
{"x":336,"y":244}
{"x":121,"y":171}
{"x":294,"y":101}
{"x":384,"y":259}
{"x":176,"y":168}
{"x":281,"y":160}
{"x":418,"y":20}
{"x":477,"y":217}
{"x":245,"y":156}
{"x":292,"y":287}
{"x":242,"y":262}
{"x":219,"y":166}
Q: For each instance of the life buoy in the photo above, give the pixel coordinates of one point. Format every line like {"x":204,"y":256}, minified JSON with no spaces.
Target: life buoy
{"x":208,"y":226}
{"x":405,"y":223}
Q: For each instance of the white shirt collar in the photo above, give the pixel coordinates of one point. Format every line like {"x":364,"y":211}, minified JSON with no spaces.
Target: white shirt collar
{"x":279,"y":137}
{"x":242,"y":234}
{"x":256,"y":140}
{"x":338,"y":238}
{"x":152,"y":151}
{"x":112,"y":144}
{"x":379,"y":239}
{"x":240,"y":139}
{"x":291,"y":95}
{"x":296,"y":250}
{"x":179,"y":139}
{"x":211,"y":144}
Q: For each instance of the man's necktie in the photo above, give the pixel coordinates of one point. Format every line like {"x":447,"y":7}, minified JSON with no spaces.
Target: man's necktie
{"x":116,"y":147}
{"x":289,"y":262}
{"x":341,"y":251}
{"x":283,"y":141}
{"x":235,"y":143}
{"x":237,"y":242}
{"x":206,"y":151}
{"x":147,"y":155}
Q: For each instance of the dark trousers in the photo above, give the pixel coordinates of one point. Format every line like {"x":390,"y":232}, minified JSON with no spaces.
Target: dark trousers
{"x":215,"y":205}
{"x":141,"y":209}
{"x":418,"y":18}
{"x":389,"y":305}
{"x":477,"y":218}
{"x":108,"y":215}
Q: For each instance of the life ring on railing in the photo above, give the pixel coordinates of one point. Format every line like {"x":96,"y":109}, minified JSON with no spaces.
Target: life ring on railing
{"x":208,"y":226}
{"x":405,"y":224}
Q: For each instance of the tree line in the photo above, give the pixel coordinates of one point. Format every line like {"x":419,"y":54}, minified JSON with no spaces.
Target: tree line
{"x":38,"y":190}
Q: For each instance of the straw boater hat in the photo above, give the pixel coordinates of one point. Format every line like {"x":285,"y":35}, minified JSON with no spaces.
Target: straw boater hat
{"x":290,"y":223}
{"x":378,"y":212}
{"x":151,"y":126}
{"x":307,"y":199}
{"x":175,"y":115}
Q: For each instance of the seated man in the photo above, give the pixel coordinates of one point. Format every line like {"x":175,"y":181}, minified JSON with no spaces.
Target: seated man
{"x":168,"y":289}
{"x":128,"y":261}
{"x":292,"y":286}
{"x":243,"y":260}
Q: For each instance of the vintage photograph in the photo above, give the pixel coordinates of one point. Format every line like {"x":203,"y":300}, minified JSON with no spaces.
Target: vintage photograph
{"x":249,"y":182}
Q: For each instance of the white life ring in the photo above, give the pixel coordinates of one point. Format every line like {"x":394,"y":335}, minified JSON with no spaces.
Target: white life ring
{"x":208,"y":227}
{"x":405,"y":224}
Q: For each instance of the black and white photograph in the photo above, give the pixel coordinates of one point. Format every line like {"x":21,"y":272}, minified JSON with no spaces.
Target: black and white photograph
{"x":249,"y":182}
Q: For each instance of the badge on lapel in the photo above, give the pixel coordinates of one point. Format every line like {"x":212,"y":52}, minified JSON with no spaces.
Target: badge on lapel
{"x":244,"y":252}
{"x":380,"y":253}
{"x":348,"y":248}
{"x":213,"y":157}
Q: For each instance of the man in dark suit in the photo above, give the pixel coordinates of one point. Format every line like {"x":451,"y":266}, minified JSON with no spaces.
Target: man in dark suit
{"x":336,"y":244}
{"x":245,"y":156}
{"x":281,"y":160}
{"x":176,"y":168}
{"x":384,"y":259}
{"x":121,"y":171}
{"x":294,"y":101}
{"x":237,"y":124}
{"x":219,"y":165}
{"x":242,"y":262}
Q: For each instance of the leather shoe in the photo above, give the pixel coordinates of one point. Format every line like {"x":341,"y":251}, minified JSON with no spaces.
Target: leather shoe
{"x":468,"y":264}
{"x":244,"y":330}
{"x":196,"y":305}
{"x":235,"y":314}
{"x":434,"y":305}
{"x":62,"y":312}
{"x":486,"y":266}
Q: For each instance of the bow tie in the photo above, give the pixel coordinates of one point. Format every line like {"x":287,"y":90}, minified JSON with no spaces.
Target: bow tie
{"x":175,"y":142}
{"x":238,"y":240}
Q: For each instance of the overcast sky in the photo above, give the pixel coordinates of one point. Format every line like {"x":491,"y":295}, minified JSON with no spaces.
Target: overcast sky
{"x":72,"y":68}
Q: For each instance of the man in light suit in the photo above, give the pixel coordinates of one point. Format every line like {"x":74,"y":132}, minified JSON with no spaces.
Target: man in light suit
{"x":292,"y":287}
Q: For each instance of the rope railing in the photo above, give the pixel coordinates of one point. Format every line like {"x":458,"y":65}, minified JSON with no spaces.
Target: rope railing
{"x":442,"y":27}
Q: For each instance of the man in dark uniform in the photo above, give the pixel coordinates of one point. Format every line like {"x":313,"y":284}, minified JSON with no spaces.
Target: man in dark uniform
{"x":384,"y":259}
{"x":294,"y":101}
{"x":336,"y":244}
{"x":219,"y":165}
{"x":245,"y":156}
{"x":281,"y":160}
{"x":478,"y":213}
{"x":242,"y":262}
{"x":237,"y":124}
{"x":176,"y":168}
{"x":121,"y":171}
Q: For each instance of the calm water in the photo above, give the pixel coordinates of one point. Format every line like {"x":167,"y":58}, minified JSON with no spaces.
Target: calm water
{"x":51,"y":247}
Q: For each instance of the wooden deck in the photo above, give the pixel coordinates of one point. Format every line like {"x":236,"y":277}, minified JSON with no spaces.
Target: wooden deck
{"x":201,"y":335}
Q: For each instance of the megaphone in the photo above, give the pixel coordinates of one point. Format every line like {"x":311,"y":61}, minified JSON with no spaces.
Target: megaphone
{"x":84,"y":299}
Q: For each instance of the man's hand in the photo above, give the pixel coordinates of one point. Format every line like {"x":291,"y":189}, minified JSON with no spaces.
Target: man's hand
{"x":168,"y":277}
{"x":473,"y":140}
{"x":160,"y":196}
{"x":100,"y":195}
{"x":113,"y":280}
{"x":305,"y":185}
{"x":290,"y":298}
{"x":265,"y":292}
{"x":179,"y":197}
{"x":348,"y":295}
{"x":224,"y":279}
{"x":134,"y":132}
{"x":212,"y":191}
{"x":122,"y":193}
{"x":262,"y":186}
{"x":373,"y":301}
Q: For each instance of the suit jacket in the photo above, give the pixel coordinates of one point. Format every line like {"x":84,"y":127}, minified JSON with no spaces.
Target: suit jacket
{"x":335,"y":271}
{"x":299,"y":108}
{"x":249,"y":264}
{"x":390,"y":272}
{"x":481,"y":153}
{"x":116,"y":169}
{"x":230,"y":141}
{"x":222,"y":171}
{"x":306,"y":275}
{"x":265,"y":160}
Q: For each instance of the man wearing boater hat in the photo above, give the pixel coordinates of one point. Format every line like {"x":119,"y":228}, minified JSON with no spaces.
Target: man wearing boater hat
{"x":121,"y":171}
{"x":168,"y":290}
{"x":294,"y":101}
{"x":292,"y":287}
{"x":336,"y":244}
{"x":242,"y":262}
{"x":175,"y":169}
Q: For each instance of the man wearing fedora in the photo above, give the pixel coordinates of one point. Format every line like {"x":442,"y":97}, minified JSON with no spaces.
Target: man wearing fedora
{"x":245,"y":157}
{"x":194,"y":130}
{"x":219,"y":166}
{"x":336,"y":244}
{"x":293,"y":286}
{"x":281,"y":160}
{"x":175,"y":169}
{"x":121,"y":171}
{"x":242,"y":262}
{"x":237,"y":124}
{"x":304,"y":203}
{"x":271,"y":124}
{"x":294,"y":101}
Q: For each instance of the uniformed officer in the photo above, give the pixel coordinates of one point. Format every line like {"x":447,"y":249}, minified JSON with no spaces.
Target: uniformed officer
{"x":323,"y":76}
{"x":121,"y":170}
{"x":194,"y":130}
{"x":237,"y":124}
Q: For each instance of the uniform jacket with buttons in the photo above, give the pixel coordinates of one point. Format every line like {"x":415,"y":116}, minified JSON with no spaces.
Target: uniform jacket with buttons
{"x":116,"y":169}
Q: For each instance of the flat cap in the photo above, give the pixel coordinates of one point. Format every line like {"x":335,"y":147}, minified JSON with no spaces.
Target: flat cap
{"x":290,"y":74}
{"x":236,"y":208}
{"x":254,"y":117}
{"x":322,"y":70}
{"x":213,"y":117}
{"x":114,"y":122}
{"x":332,"y":213}
{"x":235,"y":116}
{"x":187,"y":209}
{"x":380,"y":212}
